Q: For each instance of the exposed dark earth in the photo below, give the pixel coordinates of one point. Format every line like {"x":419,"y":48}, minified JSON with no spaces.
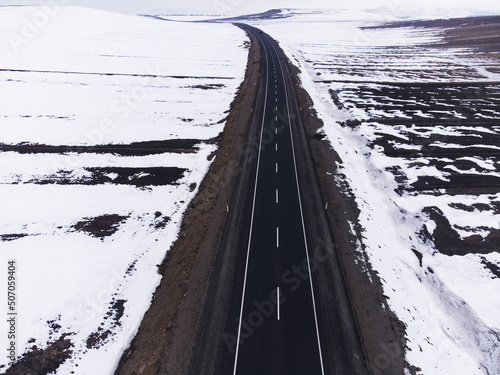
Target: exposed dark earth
{"x":449,"y":128}
{"x":452,"y":128}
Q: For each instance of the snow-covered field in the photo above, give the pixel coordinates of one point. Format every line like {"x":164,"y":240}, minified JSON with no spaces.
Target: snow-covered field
{"x":106,"y":124}
{"x":417,"y":129}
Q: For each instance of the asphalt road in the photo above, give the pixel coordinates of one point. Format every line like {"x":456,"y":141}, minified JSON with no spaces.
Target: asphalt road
{"x":278,"y":301}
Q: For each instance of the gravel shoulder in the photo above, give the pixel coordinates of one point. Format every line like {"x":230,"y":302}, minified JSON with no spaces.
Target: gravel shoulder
{"x":381,"y":332}
{"x":168,"y":331}
{"x":165,"y":339}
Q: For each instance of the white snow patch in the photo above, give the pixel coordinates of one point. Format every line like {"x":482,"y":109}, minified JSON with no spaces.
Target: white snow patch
{"x":88,"y":77}
{"x":449,"y":305}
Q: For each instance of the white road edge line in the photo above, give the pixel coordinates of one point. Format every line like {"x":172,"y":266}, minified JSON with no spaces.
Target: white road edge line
{"x":302,"y":217}
{"x":251,"y":224}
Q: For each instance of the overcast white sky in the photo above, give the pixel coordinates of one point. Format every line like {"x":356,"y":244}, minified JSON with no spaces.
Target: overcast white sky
{"x":234,"y":7}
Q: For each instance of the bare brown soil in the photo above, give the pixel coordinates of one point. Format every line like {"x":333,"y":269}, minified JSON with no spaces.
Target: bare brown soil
{"x":449,"y":242}
{"x":114,"y":314}
{"x":166,"y":336}
{"x":381,"y":332}
{"x":138,"y":177}
{"x":482,"y":33}
{"x":132,"y":149}
{"x":39,"y":361}
{"x":470,"y":112}
{"x":418,"y":111}
{"x":100,"y":226}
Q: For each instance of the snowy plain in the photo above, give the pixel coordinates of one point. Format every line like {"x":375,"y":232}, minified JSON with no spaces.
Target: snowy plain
{"x":373,"y":77}
{"x":87,"y":78}
{"x":74,"y":77}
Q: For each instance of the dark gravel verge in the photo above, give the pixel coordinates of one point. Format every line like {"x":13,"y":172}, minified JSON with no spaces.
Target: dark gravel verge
{"x":382,"y":333}
{"x":165,"y":339}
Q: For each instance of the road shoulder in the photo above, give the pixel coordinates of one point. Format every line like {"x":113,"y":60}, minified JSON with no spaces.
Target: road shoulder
{"x":381,"y":332}
{"x":167,"y":334}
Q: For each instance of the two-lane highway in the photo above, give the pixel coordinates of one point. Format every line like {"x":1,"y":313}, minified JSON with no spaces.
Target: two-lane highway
{"x":278,"y":302}
{"x":279,"y":310}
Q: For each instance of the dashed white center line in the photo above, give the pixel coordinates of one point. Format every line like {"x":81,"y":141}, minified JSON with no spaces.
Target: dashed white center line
{"x":276,"y":147}
{"x":276,"y":167}
{"x":276,"y":130}
{"x":278,"y":301}
{"x":303,"y":229}
{"x":277,"y":196}
{"x":277,"y":237}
